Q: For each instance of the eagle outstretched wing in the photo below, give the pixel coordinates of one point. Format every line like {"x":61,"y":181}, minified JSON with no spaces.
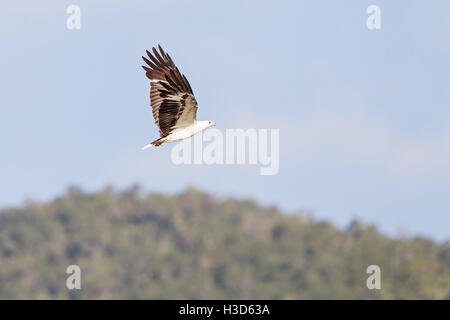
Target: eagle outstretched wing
{"x":171,"y":97}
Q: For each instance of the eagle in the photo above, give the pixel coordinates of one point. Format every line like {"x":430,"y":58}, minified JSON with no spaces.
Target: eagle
{"x":173,"y":103}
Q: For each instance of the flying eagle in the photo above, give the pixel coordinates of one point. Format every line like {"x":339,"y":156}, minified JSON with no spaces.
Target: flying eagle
{"x":173,"y":103}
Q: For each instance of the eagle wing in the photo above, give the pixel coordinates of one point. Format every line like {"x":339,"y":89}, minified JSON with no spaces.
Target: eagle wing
{"x":171,"y":97}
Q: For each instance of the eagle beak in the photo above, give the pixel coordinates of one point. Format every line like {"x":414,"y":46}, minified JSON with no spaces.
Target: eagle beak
{"x":213,"y":124}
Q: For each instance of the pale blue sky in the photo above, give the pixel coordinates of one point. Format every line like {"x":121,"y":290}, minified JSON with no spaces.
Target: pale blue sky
{"x":364,"y":115}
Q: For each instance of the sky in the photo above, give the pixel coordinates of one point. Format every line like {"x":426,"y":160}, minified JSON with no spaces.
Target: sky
{"x":363,"y":114}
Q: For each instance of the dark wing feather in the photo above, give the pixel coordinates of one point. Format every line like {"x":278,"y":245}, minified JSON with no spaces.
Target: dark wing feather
{"x":171,"y":97}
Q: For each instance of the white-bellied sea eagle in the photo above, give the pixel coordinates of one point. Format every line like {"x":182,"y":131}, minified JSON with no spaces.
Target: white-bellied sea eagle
{"x":173,"y":103}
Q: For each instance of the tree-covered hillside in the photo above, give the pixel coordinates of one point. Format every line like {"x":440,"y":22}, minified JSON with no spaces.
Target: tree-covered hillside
{"x":195,"y":246}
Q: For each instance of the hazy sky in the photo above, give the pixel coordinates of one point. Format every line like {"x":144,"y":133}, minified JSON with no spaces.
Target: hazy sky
{"x":364,"y":115}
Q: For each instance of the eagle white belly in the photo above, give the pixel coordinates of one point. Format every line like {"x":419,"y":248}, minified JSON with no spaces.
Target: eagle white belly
{"x":183,"y":133}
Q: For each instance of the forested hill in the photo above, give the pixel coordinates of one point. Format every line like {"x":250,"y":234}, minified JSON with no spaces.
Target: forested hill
{"x":195,"y":246}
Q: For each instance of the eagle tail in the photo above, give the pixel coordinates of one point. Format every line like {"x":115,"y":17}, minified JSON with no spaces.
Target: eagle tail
{"x":156,"y":143}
